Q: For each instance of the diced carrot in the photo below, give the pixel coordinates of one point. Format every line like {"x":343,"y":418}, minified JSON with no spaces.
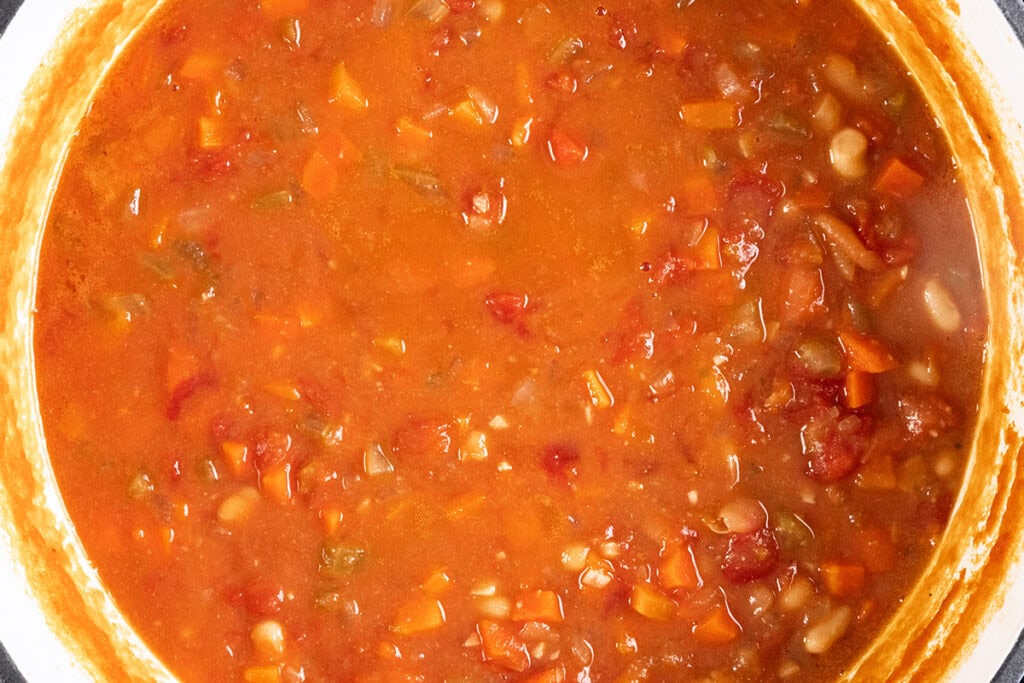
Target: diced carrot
{"x":276,"y":483}
{"x":717,"y":627}
{"x":866,"y":353}
{"x":885,"y":284}
{"x":706,"y":252}
{"x":860,"y":388}
{"x":521,"y":132}
{"x":465,"y":505}
{"x":877,"y":473}
{"x":319,"y":177}
{"x":651,"y":603}
{"x":336,"y":146}
{"x":545,"y":606}
{"x":279,"y":9}
{"x":283,"y":390}
{"x":182,"y":365}
{"x":556,"y":675}
{"x":420,"y":614}
{"x":212,"y":132}
{"x":711,"y":115}
{"x":202,"y":67}
{"x":698,"y":196}
{"x":523,"y":85}
{"x":804,"y":294}
{"x":467,"y":112}
{"x":502,"y":645}
{"x":344,"y":89}
{"x":331,"y":516}
{"x":678,"y":569}
{"x":437,"y":582}
{"x":842,"y":579}
{"x":262,"y":674}
{"x":388,"y":650}
{"x":236,"y":455}
{"x":898,"y":179}
{"x":564,"y":150}
{"x":411,"y":131}
{"x":874,"y":547}
{"x":600,"y":395}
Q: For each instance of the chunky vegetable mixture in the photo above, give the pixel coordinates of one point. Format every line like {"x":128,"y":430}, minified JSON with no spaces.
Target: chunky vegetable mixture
{"x":506,"y":340}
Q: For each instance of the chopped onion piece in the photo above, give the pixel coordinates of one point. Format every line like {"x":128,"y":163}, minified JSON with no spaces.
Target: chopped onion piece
{"x":380,"y":13}
{"x":375,"y":462}
{"x":568,"y":48}
{"x":430,"y":11}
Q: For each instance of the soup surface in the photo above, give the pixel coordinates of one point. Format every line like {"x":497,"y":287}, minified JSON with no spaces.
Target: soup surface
{"x":492,"y":340}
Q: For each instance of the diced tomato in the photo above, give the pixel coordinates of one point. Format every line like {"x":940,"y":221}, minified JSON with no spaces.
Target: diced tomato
{"x":562,"y":81}
{"x":507,"y":307}
{"x":271,"y":449}
{"x":560,"y":460}
{"x":564,"y":150}
{"x":461,"y":6}
{"x":622,"y":32}
{"x":263,"y":597}
{"x":185,"y":390}
{"x":420,"y":436}
{"x":834,"y":447}
{"x":750,"y":556}
{"x":502,"y":645}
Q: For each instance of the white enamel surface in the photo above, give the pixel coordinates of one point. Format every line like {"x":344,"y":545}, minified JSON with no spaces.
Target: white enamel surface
{"x":23,"y":629}
{"x":35,"y":649}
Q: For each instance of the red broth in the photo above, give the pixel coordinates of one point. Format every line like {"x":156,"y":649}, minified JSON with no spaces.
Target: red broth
{"x":496,"y":340}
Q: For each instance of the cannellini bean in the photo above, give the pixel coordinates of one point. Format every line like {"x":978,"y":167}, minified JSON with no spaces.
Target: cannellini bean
{"x":796,"y":594}
{"x":268,"y":639}
{"x":848,"y":153}
{"x":941,"y":307}
{"x":827,"y":114}
{"x":238,"y":506}
{"x":743,"y":515}
{"x":822,"y":635}
{"x":842,"y":75}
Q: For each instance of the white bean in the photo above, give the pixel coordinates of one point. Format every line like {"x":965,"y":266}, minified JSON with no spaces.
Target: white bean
{"x":268,"y":639}
{"x":848,"y":153}
{"x":822,"y":635}
{"x":941,"y":307}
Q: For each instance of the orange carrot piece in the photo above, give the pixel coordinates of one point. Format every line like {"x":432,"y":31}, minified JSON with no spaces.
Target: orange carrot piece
{"x":202,"y":67}
{"x":652,"y":604}
{"x":212,"y":132}
{"x":319,"y":177}
{"x":678,"y":569}
{"x":545,"y":606}
{"x":331,"y":516}
{"x":898,"y":179}
{"x":698,"y":195}
{"x":712,"y":115}
{"x":860,"y":388}
{"x":345,"y":90}
{"x":866,"y":353}
{"x":236,"y":454}
{"x":421,"y":614}
{"x":842,"y":579}
{"x":556,"y":675}
{"x":706,"y":252}
{"x":276,"y":484}
{"x":269,"y":673}
{"x":717,"y":627}
{"x":437,"y":582}
{"x":503,"y":646}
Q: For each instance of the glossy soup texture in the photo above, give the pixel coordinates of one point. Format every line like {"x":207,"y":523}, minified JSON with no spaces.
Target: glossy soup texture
{"x":494,"y":340}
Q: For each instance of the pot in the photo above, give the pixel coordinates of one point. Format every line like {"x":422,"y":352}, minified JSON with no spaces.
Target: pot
{"x":960,"y":622}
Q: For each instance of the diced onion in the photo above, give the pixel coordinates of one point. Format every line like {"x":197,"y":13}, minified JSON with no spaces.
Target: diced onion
{"x":822,"y":635}
{"x":375,"y":462}
{"x":941,"y":307}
